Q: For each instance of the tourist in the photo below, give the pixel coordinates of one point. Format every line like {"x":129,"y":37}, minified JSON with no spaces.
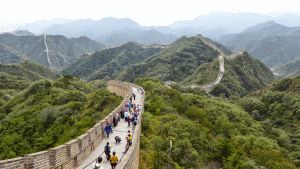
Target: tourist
{"x":139,"y":108}
{"x":115,"y":121}
{"x":122,"y":114}
{"x":129,"y":138}
{"x":134,"y":121}
{"x":126,"y":114}
{"x":129,"y":118}
{"x":107,"y":151}
{"x":114,"y":160}
{"x":98,"y":164}
{"x":118,"y":117}
{"x":108,"y":129}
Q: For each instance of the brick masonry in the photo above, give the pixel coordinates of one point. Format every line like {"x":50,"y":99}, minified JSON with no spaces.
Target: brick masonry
{"x":69,"y":155}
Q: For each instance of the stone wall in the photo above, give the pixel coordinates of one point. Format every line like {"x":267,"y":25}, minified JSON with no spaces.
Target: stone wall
{"x":72,"y":153}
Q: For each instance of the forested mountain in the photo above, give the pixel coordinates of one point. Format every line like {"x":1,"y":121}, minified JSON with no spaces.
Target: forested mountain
{"x":47,"y":113}
{"x":190,"y":61}
{"x":272,"y":43}
{"x":108,"y":63}
{"x":243,"y":74}
{"x":130,"y":61}
{"x":62,"y":51}
{"x":175,"y":62}
{"x":10,"y":55}
{"x":15,"y":78}
{"x":210,"y":133}
{"x":187,"y":61}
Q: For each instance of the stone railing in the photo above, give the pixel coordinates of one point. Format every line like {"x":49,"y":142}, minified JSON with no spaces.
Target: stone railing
{"x":72,"y":153}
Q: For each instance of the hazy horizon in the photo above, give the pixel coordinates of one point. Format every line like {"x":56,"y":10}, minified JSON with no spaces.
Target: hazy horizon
{"x":144,"y":12}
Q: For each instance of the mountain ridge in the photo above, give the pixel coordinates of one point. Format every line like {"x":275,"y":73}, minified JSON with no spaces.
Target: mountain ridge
{"x":182,"y":62}
{"x":62,"y":51}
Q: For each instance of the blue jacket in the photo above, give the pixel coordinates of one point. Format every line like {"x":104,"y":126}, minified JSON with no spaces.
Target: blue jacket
{"x":108,"y":128}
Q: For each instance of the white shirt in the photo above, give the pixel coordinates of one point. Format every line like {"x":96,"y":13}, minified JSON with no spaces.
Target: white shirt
{"x":98,"y":165}
{"x":126,"y":114}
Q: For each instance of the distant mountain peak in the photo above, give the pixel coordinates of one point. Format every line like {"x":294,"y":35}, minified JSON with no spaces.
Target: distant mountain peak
{"x":265,"y":25}
{"x":22,"y":33}
{"x":131,"y":44}
{"x":125,"y":22}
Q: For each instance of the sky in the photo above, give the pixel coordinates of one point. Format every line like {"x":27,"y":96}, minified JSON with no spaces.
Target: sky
{"x":146,"y":12}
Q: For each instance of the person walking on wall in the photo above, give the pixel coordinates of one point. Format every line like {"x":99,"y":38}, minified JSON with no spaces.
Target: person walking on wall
{"x":107,"y":151}
{"x":98,"y":164}
{"x":126,"y":114}
{"x":108,"y":129}
{"x":115,"y":121}
{"x":129,"y":119}
{"x":114,"y":160}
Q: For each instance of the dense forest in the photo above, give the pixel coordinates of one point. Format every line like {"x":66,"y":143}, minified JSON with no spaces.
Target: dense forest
{"x":206,"y":133}
{"x":278,"y":110}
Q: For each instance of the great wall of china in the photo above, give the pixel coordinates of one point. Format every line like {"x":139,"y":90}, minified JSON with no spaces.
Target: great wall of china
{"x":71,"y":154}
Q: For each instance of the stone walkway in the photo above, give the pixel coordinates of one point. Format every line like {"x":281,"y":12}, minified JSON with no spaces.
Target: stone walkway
{"x":121,"y":130}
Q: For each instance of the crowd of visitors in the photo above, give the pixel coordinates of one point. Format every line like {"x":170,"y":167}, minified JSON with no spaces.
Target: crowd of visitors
{"x":129,"y":114}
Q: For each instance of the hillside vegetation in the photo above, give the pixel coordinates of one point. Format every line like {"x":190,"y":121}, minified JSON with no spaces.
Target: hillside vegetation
{"x":15,"y":78}
{"x":278,"y":109}
{"x":50,"y":113}
{"x":206,"y":133}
